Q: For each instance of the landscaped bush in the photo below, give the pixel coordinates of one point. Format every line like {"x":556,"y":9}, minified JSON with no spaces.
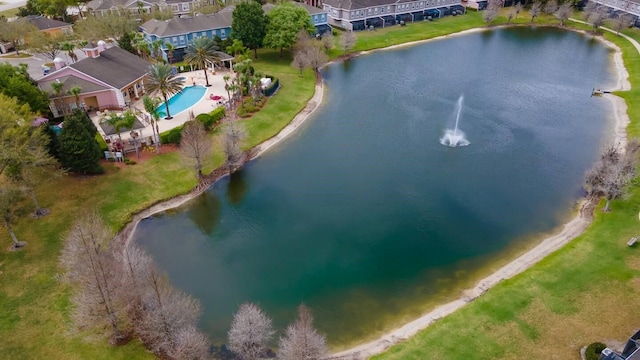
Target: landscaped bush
{"x":212,"y":118}
{"x":271,"y":89}
{"x":593,"y":351}
{"x":102,"y":143}
{"x":172,"y":136}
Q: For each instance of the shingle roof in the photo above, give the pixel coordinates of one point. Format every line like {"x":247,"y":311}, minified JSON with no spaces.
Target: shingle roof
{"x":70,"y":81}
{"x":114,"y":66}
{"x":185,"y":25}
{"x":44,"y":23}
{"x":358,"y":4}
{"x":310,"y":9}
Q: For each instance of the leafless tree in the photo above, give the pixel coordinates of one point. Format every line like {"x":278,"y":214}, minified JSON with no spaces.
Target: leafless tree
{"x":517,"y":8}
{"x":492,"y":11}
{"x":611,"y":175}
{"x":300,"y":60}
{"x":167,"y":325}
{"x":595,"y":15}
{"x":250,"y":332}
{"x":328,"y":40}
{"x":551,"y":7}
{"x":536,"y":9}
{"x":348,"y":41}
{"x":233,"y":136}
{"x":195,"y":144}
{"x":622,"y":21}
{"x":93,"y":270}
{"x":302,"y":341}
{"x":564,"y":12}
{"x":316,"y":57}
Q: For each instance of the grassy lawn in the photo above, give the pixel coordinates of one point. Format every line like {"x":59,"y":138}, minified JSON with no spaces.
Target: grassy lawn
{"x":573,"y":290}
{"x":9,"y":13}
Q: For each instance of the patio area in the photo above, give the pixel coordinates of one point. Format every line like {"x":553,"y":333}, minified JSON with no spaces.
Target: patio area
{"x":143,"y":125}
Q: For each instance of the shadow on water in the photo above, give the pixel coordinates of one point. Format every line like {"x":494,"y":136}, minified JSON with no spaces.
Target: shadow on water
{"x":237,"y":188}
{"x":205,"y":212}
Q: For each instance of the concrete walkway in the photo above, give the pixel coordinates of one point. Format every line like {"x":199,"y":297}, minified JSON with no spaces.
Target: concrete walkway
{"x":631,"y":40}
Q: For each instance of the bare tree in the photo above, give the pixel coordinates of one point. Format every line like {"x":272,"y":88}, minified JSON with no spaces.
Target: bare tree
{"x":551,"y":7}
{"x":92,"y":269}
{"x":564,"y":12}
{"x":168,"y":322}
{"x":316,"y":57}
{"x":492,"y":11}
{"x":348,"y":41}
{"x":536,"y":9}
{"x":300,"y":60}
{"x":233,"y":136}
{"x":622,"y":21}
{"x":595,"y":15}
{"x":328,"y":40}
{"x":195,"y":144}
{"x":518,"y":8}
{"x":610,"y":176}
{"x":302,"y":341}
{"x":250,"y":332}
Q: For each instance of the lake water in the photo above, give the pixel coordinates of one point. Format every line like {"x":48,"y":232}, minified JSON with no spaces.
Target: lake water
{"x":364,"y":216}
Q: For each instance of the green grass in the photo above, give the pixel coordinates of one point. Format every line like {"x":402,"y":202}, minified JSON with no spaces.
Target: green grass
{"x":9,"y":13}
{"x":34,"y":305}
{"x":583,"y":293}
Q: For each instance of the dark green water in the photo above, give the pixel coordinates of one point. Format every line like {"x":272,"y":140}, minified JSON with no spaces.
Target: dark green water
{"x":364,"y":216}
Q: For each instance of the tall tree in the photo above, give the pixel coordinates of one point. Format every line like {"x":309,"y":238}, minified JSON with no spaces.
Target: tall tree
{"x":46,"y":45}
{"x":249,"y":25}
{"x":34,"y":167}
{"x":611,"y":175}
{"x":161,"y":79}
{"x":125,"y":42}
{"x":250,"y":332}
{"x":92,"y":268}
{"x":16,"y":135}
{"x":302,"y":341}
{"x":10,"y":198}
{"x":111,"y":25}
{"x":550,"y":7}
{"x":69,"y":46}
{"x":151,"y":106}
{"x":79,"y":150}
{"x":200,"y":52}
{"x":195,"y":145}
{"x":120,"y":122}
{"x":16,"y":82}
{"x":75,"y":91}
{"x":16,"y":32}
{"x":285,"y":21}
{"x":348,"y":41}
{"x":57,"y":87}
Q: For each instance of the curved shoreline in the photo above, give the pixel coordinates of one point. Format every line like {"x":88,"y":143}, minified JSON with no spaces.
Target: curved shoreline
{"x":548,"y":245}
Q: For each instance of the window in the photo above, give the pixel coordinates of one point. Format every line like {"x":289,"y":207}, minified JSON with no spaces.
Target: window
{"x":223,"y":33}
{"x":369,"y":11}
{"x":174,"y":40}
{"x":181,"y":39}
{"x":174,"y":7}
{"x":204,"y":33}
{"x":185,"y":7}
{"x":375,"y":11}
{"x":382,"y":10}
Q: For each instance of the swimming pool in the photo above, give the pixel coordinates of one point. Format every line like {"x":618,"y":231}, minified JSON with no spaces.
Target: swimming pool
{"x":183,"y":100}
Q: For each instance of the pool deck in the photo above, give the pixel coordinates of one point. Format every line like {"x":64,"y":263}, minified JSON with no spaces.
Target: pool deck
{"x":205,"y":105}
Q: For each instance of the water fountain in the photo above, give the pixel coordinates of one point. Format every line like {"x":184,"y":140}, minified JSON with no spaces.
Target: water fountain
{"x":455,"y":137}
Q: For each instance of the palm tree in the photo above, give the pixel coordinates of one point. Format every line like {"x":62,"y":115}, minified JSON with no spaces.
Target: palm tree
{"x":57,"y":90}
{"x":156,"y":48}
{"x":120,"y":122}
{"x":169,"y":46}
{"x":75,"y":91}
{"x":151,"y":105}
{"x":201,"y":51}
{"x":162,"y":79}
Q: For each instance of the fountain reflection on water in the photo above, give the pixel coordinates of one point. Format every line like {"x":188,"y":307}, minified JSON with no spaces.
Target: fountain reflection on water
{"x":455,"y":137}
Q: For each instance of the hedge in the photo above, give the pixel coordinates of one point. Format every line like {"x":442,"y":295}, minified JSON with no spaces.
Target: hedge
{"x":172,"y":136}
{"x":212,"y":118}
{"x":271,"y":89}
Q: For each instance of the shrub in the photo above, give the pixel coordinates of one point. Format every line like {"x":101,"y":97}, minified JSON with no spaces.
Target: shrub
{"x":129,"y":161}
{"x":101,"y":143}
{"x":212,"y":118}
{"x":593,"y":350}
{"x":172,"y":136}
{"x":273,"y":87}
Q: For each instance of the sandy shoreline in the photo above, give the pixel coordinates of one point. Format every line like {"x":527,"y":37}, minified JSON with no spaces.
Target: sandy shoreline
{"x":569,"y":231}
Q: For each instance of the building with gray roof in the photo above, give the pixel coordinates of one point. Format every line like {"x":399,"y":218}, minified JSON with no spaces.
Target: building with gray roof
{"x":617,"y":8}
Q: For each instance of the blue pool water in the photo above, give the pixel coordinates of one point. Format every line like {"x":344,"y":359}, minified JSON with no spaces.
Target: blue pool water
{"x":183,"y":100}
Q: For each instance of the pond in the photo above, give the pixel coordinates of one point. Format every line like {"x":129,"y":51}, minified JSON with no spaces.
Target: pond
{"x":365,"y":216}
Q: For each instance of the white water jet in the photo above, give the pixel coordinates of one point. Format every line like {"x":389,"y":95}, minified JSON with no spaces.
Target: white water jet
{"x":455,"y":137}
